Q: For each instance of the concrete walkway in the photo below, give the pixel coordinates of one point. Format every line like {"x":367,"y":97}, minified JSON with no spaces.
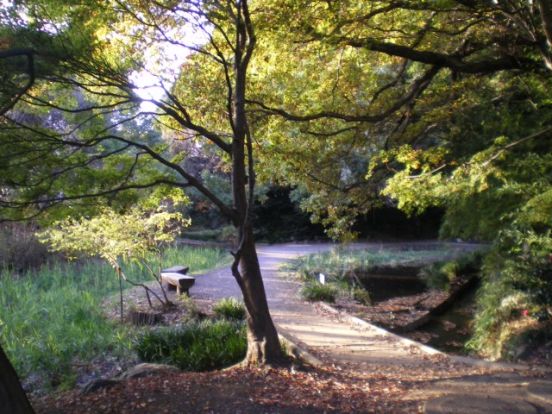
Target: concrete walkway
{"x":343,"y":341}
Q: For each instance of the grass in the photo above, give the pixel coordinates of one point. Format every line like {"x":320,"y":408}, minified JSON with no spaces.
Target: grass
{"x":196,"y":346}
{"x":340,"y":263}
{"x":315,"y":291}
{"x":341,"y":267}
{"x":230,"y":308}
{"x":53,"y":317}
{"x":199,"y":259}
{"x":440,"y":275}
{"x":203,"y":234}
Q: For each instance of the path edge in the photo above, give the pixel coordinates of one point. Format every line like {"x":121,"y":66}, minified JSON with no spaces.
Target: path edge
{"x":297,"y":351}
{"x":432,"y":351}
{"x":364,"y":324}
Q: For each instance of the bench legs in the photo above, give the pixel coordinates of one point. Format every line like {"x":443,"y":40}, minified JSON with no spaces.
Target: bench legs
{"x":180,"y":290}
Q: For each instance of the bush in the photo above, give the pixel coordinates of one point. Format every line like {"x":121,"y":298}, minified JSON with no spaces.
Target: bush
{"x":361,"y":295}
{"x":228,"y":235}
{"x":440,"y":275}
{"x":515,"y":301}
{"x":230,"y":308}
{"x":316,"y":291}
{"x":197,"y":346}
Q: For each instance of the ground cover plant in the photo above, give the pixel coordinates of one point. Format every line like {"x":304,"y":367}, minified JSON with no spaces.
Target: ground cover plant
{"x":230,"y":308}
{"x":195,"y":346}
{"x":440,"y":275}
{"x":314,"y":291}
{"x":54,"y":316}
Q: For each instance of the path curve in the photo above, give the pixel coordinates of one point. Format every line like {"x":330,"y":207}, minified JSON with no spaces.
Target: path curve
{"x":337,"y":338}
{"x":340,"y":340}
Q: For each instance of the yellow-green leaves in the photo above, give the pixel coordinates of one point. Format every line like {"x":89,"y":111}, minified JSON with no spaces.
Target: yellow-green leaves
{"x":113,"y":236}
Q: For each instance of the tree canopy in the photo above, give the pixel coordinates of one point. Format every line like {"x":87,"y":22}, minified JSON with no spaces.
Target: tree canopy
{"x":355,"y":104}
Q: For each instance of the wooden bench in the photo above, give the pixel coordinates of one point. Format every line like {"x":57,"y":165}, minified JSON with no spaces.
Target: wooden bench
{"x":175,"y":277}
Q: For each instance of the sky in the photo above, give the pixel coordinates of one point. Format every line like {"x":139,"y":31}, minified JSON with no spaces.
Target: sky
{"x":163,"y":63}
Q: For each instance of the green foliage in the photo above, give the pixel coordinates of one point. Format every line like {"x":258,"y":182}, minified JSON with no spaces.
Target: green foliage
{"x":203,"y":234}
{"x":462,"y":141}
{"x":190,"y":307}
{"x":199,"y":259}
{"x":315,"y":291}
{"x":19,"y":248}
{"x":501,"y":193}
{"x":134,"y":236}
{"x":345,"y":264}
{"x":114,"y":236}
{"x":516,"y":297}
{"x":197,"y":346}
{"x":440,"y":275}
{"x":230,"y":308}
{"x":343,"y":267}
{"x":54,"y":316}
{"x":228,"y":234}
{"x":361,"y":295}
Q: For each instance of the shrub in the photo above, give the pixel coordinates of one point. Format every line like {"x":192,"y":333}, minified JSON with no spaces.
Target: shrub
{"x":515,"y":301}
{"x":190,"y":308}
{"x":197,"y":346}
{"x":316,"y":291}
{"x":440,"y":275}
{"x":228,"y":235}
{"x":230,"y":308}
{"x":361,"y":295}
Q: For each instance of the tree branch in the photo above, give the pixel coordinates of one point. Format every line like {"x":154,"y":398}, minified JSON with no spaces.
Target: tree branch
{"x":418,"y":86}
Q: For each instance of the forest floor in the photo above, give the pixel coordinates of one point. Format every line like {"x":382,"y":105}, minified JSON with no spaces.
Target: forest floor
{"x":364,"y":368}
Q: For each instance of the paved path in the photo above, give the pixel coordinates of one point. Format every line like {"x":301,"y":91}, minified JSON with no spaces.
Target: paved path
{"x":338,"y":339}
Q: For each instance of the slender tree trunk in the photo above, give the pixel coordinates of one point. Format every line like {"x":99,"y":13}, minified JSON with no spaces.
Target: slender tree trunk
{"x":263,"y":344}
{"x":12,"y":397}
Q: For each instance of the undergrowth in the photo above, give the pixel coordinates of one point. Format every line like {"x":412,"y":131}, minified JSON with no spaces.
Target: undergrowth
{"x":344,"y":268}
{"x":514,"y":305}
{"x":315,"y":291}
{"x":54,"y":316}
{"x":230,"y":308}
{"x":441,"y":275}
{"x":196,"y":346}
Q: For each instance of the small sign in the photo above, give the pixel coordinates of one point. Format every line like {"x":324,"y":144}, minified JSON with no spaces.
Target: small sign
{"x":322,"y":278}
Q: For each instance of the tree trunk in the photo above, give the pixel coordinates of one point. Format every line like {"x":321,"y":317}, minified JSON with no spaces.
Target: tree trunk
{"x":12,"y":397}
{"x":263,"y":344}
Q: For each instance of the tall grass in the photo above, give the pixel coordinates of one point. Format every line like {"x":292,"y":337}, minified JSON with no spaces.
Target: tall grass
{"x":339,"y":263}
{"x":53,"y":317}
{"x":197,"y":346}
{"x":199,"y":259}
{"x":344,"y":267}
{"x":230,"y":309}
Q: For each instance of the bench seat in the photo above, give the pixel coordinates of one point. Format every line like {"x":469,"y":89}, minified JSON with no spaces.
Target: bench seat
{"x":181,"y":282}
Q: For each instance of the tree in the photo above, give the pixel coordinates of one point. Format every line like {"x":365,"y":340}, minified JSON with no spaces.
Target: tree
{"x":12,"y":396}
{"x":447,"y":103}
{"x":378,"y":75}
{"x":89,"y":98}
{"x":134,"y":236}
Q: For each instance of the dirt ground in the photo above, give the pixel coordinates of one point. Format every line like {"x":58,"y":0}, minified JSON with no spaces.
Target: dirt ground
{"x":347,"y":388}
{"x":376,"y":389}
